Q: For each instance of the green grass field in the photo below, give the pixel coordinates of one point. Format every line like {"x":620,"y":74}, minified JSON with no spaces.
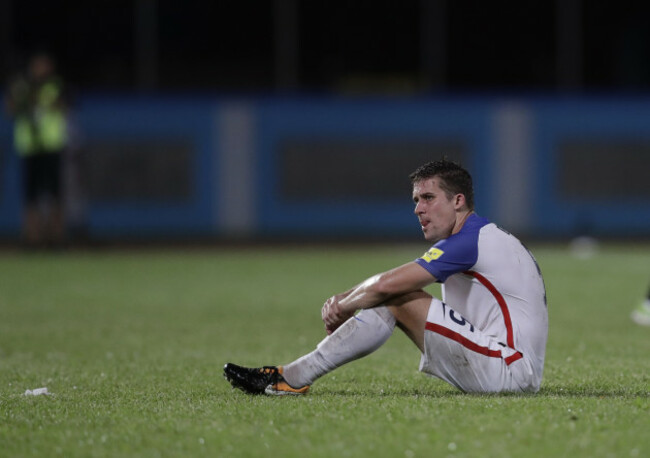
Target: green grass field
{"x":131,"y":345}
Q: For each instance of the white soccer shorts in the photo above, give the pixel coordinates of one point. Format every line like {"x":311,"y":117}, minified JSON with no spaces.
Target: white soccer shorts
{"x":460,"y":354}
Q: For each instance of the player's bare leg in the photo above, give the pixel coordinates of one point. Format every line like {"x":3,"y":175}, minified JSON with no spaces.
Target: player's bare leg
{"x":410,"y":311}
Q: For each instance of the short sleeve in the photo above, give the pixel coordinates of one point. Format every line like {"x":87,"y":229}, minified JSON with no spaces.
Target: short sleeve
{"x":455,"y":254}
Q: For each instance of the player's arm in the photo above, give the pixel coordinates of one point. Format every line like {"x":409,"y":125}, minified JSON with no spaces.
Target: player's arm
{"x":373,"y":292}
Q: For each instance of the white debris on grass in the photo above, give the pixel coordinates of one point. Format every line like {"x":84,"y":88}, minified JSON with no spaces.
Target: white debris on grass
{"x":37,"y":392}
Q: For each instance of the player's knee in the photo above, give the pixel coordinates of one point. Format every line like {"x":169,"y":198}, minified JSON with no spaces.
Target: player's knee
{"x":383,"y":313}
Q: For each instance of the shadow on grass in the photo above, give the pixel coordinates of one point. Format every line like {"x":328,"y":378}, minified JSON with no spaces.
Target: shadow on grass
{"x":586,"y":391}
{"x":546,"y":392}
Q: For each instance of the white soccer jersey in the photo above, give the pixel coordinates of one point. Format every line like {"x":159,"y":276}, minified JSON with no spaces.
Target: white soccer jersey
{"x":493,"y":281}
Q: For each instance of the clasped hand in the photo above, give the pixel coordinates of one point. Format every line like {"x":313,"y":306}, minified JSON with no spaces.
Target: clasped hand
{"x":333,"y":314}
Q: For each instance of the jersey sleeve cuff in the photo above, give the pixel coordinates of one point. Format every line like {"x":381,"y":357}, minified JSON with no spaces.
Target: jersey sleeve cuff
{"x":429,"y":268}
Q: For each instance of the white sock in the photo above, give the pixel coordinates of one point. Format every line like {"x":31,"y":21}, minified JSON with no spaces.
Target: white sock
{"x":357,"y":337}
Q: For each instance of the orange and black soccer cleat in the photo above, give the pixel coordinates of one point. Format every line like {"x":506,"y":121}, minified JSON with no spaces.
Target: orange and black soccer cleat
{"x":261,"y":380}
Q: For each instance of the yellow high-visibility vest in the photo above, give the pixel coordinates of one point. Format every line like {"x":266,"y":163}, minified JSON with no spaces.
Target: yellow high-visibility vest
{"x":46,"y":129}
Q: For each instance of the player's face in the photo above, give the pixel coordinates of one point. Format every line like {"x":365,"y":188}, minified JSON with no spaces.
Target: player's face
{"x":435,"y":211}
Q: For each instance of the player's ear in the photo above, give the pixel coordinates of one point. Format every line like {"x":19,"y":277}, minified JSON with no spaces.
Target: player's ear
{"x":459,"y":201}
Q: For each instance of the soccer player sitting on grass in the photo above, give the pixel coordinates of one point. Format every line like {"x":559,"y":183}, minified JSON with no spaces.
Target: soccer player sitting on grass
{"x":487,"y":334}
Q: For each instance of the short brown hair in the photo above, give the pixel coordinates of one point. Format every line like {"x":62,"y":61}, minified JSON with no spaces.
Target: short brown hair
{"x":454,"y":179}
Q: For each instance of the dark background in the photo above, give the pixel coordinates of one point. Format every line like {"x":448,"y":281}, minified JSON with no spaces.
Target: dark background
{"x":376,"y":46}
{"x":264,"y":118}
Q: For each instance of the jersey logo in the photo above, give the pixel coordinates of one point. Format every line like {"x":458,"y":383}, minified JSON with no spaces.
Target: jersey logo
{"x":432,"y":254}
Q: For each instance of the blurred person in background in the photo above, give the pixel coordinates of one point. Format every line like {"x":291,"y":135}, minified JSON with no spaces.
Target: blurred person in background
{"x":641,"y":314}
{"x":37,"y":105}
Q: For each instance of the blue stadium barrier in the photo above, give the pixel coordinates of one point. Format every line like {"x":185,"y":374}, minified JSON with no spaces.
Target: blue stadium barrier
{"x":325,"y":166}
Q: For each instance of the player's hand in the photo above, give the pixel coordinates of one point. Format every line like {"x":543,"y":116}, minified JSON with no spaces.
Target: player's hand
{"x":333,"y":313}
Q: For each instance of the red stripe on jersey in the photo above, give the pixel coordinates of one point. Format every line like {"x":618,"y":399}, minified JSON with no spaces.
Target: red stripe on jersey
{"x":465,"y":342}
{"x":502,"y":304}
{"x":512,"y":358}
